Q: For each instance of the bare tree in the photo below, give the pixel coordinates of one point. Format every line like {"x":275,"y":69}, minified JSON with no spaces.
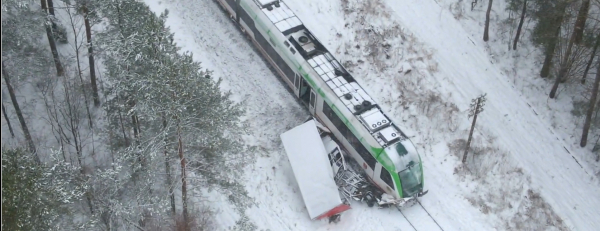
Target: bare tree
{"x":520,"y":25}
{"x":580,"y":23}
{"x":588,"y":116}
{"x":591,"y":60}
{"x":13,"y":98}
{"x":59,"y":68}
{"x":476,"y":108}
{"x":7,"y":121}
{"x":486,"y":30}
{"x":79,"y":70}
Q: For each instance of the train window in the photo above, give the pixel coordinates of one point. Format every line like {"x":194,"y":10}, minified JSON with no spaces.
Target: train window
{"x":350,"y":137}
{"x":286,"y":43}
{"x":386,"y":177}
{"x":297,"y":81}
{"x":312,"y":99}
{"x":363,"y":152}
{"x":292,"y":50}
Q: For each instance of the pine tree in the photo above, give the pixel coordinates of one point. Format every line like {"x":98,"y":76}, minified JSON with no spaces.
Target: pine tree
{"x":486,"y":29}
{"x":476,"y":108}
{"x":36,"y":197}
{"x":590,"y":112}
{"x":15,"y":102}
{"x":546,"y":33}
{"x":87,"y":9}
{"x":581,"y":19}
{"x":59,"y":67}
{"x":591,"y":59}
{"x":185,"y":113}
{"x":521,"y":21}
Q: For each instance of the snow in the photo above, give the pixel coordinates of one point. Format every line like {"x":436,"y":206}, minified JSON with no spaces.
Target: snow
{"x":436,"y":68}
{"x":282,"y":17}
{"x":467,"y":72}
{"x":312,"y":170}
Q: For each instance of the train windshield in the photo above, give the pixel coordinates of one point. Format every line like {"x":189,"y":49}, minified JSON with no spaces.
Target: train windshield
{"x":409,"y":169}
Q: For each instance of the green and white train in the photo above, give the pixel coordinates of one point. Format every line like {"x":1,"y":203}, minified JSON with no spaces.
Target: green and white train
{"x":387,"y":156}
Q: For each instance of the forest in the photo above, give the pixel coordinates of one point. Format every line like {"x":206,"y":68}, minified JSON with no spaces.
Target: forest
{"x":115,"y":127}
{"x":567,"y":33}
{"x":111,"y":126}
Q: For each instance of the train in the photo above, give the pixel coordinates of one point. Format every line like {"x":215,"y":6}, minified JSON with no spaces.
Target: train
{"x":386,"y":155}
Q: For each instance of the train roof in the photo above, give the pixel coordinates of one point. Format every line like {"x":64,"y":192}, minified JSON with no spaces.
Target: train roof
{"x":345,"y":87}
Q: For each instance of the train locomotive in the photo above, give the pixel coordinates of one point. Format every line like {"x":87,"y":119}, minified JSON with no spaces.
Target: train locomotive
{"x":385,"y":154}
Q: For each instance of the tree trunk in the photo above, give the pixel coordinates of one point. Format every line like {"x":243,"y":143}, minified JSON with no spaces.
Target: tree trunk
{"x":80,"y":74}
{"x":136,"y":138}
{"x":59,"y":68}
{"x":588,"y":116}
{"x":520,"y":25}
{"x":486,"y":35}
{"x":168,"y":169}
{"x":477,"y":109}
{"x":549,"y":52}
{"x":50,"y":11}
{"x":183,"y":180}
{"x":564,"y":66}
{"x":50,"y":7}
{"x":580,"y":23}
{"x":123,"y":129}
{"x":13,"y":98}
{"x":12,"y":134}
{"x":589,"y":64}
{"x":88,"y":35}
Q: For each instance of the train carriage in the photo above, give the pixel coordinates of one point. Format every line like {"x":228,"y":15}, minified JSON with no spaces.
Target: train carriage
{"x":388,"y":158}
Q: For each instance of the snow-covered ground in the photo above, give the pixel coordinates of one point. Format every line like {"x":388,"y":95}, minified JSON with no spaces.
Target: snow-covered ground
{"x":523,"y":178}
{"x":522,"y":67}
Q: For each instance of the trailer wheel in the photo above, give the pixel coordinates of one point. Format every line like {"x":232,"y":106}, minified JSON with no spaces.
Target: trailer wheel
{"x":335,"y":218}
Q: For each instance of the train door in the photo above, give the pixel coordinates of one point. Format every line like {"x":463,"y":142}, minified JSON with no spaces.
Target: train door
{"x":297,"y":84}
{"x":383,"y":179}
{"x":312,"y":103}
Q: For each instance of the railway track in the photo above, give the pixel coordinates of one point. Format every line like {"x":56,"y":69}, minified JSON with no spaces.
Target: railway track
{"x":419,"y":219}
{"x":416,"y":217}
{"x":415,"y":214}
